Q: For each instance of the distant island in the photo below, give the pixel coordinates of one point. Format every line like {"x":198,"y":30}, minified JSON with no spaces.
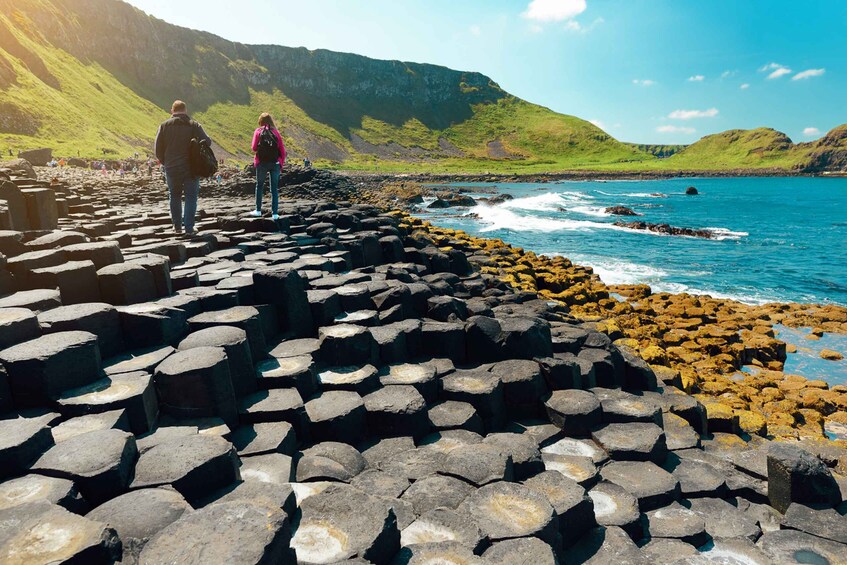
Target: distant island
{"x":105,"y":70}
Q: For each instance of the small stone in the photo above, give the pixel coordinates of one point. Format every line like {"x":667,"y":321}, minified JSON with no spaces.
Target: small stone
{"x":22,"y":441}
{"x":451,"y":552}
{"x":508,"y":510}
{"x":615,"y":506}
{"x":520,"y":550}
{"x":791,"y":546}
{"x":131,"y":391}
{"x":794,"y":475}
{"x":41,"y":532}
{"x":34,"y":488}
{"x":436,"y":491}
{"x":632,"y":442}
{"x":397,"y":410}
{"x":194,"y":465}
{"x":650,"y":484}
{"x":40,"y":370}
{"x":677,"y":522}
{"x":229,"y":532}
{"x":263,"y":438}
{"x":450,"y":415}
{"x":139,"y":515}
{"x":337,"y":416}
{"x":723,"y":520}
{"x":100,"y":463}
{"x":478,"y":464}
{"x":575,"y":412}
{"x":330,"y":461}
{"x":821,"y":522}
{"x":573,"y":506}
{"x":831,"y":355}
{"x":341,"y":523}
{"x":274,"y":468}
{"x":443,"y":525}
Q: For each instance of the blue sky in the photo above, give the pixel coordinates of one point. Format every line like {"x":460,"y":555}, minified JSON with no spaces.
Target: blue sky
{"x":646,"y":71}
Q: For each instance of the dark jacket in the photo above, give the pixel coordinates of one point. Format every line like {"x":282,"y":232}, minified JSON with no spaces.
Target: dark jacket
{"x":172,"y":141}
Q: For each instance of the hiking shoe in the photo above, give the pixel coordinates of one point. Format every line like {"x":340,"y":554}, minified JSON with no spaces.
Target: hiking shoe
{"x":275,"y":217}
{"x":256,"y":213}
{"x":178,"y":231}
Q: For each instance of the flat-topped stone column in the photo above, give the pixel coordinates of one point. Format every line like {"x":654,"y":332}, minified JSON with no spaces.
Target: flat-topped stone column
{"x":196,"y":383}
{"x":42,"y":369}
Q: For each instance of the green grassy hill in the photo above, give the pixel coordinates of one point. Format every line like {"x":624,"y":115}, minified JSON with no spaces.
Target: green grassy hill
{"x":81,"y":76}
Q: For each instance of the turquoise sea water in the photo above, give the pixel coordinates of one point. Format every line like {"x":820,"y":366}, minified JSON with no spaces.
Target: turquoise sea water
{"x":776,"y":239}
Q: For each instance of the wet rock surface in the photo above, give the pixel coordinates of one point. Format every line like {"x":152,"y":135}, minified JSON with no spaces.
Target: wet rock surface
{"x":352,"y":386}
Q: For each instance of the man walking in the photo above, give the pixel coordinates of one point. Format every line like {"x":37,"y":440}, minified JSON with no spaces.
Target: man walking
{"x":172,"y":149}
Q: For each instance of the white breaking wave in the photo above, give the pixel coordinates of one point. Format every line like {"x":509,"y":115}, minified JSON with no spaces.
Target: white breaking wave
{"x":634,"y":194}
{"x":547,"y":202}
{"x":616,"y":271}
{"x":600,"y":212}
{"x":501,"y":218}
{"x":721,"y":234}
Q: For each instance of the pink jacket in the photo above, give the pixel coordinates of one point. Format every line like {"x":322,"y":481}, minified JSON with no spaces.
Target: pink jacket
{"x":256,"y":135}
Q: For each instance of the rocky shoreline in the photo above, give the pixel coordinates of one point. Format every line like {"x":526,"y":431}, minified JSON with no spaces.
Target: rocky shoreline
{"x":376,"y":178}
{"x":350,"y":384}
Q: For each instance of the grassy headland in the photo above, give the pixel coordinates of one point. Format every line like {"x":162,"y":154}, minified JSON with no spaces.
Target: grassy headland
{"x":81,"y":77}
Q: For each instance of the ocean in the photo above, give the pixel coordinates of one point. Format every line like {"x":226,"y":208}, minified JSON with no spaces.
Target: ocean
{"x":775,"y":239}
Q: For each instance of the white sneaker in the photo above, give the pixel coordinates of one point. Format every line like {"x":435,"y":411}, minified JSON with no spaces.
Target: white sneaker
{"x":256,"y":213}
{"x":275,"y":217}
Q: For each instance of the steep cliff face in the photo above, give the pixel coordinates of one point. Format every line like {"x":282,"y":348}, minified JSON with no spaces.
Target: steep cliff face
{"x":340,"y":89}
{"x":334,"y":88}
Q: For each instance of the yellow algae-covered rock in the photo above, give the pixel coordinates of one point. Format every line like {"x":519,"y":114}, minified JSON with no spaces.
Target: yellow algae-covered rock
{"x":627,"y":342}
{"x":790,"y":348}
{"x":811,"y":419}
{"x":783,"y":431}
{"x":721,"y":417}
{"x":831,"y":355}
{"x":752,"y":423}
{"x":817,"y":384}
{"x":789,"y":386}
{"x":654,"y":355}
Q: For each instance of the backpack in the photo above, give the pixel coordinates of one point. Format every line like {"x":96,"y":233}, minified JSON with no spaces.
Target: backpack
{"x":202,"y":159}
{"x":268,"y":149}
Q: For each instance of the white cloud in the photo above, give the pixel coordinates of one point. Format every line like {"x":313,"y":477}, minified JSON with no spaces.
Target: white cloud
{"x":675,"y":129}
{"x":776,"y":69}
{"x":599,"y":124}
{"x":476,"y":30}
{"x":691,"y":114}
{"x":779,"y":73}
{"x":554,"y":10}
{"x":573,"y":25}
{"x":809,"y":74}
{"x":727,"y":74}
{"x":745,"y":86}
{"x":696,"y":78}
{"x":643,"y":82}
{"x":811,"y":132}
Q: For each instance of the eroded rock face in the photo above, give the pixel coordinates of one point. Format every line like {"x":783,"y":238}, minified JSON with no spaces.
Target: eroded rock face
{"x":354,"y":386}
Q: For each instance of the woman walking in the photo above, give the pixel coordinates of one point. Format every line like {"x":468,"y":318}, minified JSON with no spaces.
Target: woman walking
{"x":269,"y":160}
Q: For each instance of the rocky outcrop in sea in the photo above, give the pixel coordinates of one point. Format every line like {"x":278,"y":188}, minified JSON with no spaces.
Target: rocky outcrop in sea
{"x":346,"y":384}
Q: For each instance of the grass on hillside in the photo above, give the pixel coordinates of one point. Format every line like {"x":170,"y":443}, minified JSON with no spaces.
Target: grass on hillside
{"x":103,"y":113}
{"x":91,"y":111}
